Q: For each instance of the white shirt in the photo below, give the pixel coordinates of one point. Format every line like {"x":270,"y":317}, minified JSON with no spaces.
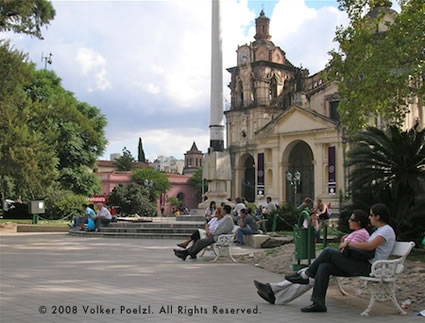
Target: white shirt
{"x":384,"y":250}
{"x":104,"y":212}
{"x":238,"y":208}
{"x":213,"y":224}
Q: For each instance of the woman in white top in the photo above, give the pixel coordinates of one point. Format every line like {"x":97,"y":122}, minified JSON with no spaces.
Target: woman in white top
{"x":210,"y":211}
{"x":333,"y":262}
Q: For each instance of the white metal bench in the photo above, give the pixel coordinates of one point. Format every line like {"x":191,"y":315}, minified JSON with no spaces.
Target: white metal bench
{"x":382,"y":279}
{"x":222,"y":248}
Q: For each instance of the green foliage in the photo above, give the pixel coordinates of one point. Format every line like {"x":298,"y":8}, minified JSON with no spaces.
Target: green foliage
{"x":64,"y":204}
{"x":131,"y":199}
{"x":26,"y":159}
{"x":174,"y":201}
{"x":26,"y":17}
{"x":287,"y":218}
{"x":45,"y":133}
{"x":141,"y":152}
{"x":378,"y":74}
{"x":196,"y":181}
{"x":125,"y":162}
{"x":80,"y":180}
{"x":389,"y":167}
{"x":160,"y":182}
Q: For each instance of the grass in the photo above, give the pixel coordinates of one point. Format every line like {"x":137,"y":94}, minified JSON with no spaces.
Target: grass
{"x":53,"y":223}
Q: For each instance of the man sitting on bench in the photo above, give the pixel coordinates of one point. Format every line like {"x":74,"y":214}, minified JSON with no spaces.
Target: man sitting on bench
{"x":225,"y":227}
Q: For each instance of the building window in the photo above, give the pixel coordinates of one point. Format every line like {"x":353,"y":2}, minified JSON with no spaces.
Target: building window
{"x":333,"y":110}
{"x":273,"y":89}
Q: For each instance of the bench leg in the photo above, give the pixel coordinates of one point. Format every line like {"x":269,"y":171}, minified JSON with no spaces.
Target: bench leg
{"x":341,"y":289}
{"x":396,"y":304}
{"x":371,"y":303}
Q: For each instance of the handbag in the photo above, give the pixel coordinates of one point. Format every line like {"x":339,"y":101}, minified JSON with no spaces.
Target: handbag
{"x":358,"y":254}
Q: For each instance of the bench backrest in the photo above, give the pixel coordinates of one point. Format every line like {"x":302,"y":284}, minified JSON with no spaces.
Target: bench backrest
{"x":402,"y":249}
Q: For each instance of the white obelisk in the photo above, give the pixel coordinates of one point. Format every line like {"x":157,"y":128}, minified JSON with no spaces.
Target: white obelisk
{"x":216,"y":168}
{"x":216,"y":95}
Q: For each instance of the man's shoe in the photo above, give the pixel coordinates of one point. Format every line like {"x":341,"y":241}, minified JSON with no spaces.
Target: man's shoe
{"x":265,"y":291}
{"x":314,"y":308}
{"x":297,"y":279}
{"x":181,"y":255}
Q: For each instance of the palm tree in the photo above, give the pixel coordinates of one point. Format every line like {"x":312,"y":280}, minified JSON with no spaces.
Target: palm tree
{"x":389,"y":167}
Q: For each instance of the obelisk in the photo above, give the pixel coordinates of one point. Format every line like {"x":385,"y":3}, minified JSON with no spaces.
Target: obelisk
{"x":216,"y":168}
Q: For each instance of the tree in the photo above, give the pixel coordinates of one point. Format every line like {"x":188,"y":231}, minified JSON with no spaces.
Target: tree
{"x":26,"y":17}
{"x":132,"y":199}
{"x":28,"y":162}
{"x":160,"y":182}
{"x":141,"y":152}
{"x":389,"y":167}
{"x":125,"y":162}
{"x":379,"y":73}
{"x":196,"y":181}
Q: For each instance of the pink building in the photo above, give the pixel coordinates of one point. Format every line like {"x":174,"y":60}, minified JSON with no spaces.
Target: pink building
{"x":180,"y":189}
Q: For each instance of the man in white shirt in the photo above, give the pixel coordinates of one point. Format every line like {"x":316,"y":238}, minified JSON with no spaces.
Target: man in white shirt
{"x":237,"y":210}
{"x":103,"y":216}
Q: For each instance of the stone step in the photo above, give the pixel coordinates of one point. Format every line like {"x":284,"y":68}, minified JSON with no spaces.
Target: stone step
{"x":190,"y":217}
{"x":187,"y":231}
{"x":194,"y":225}
{"x":125,"y":235}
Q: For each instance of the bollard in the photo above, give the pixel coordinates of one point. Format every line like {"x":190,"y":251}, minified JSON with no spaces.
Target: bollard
{"x":35,"y":219}
{"x":274,"y":227}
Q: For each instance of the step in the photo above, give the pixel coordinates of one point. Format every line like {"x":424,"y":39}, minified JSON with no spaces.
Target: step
{"x":187,"y":231}
{"x":189,"y":217}
{"x":191,"y":225}
{"x":126,"y":235}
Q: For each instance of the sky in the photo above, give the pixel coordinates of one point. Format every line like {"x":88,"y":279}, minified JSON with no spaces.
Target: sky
{"x":146,"y":64}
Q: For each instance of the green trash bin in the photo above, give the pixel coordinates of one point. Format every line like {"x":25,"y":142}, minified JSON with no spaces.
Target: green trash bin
{"x":305,"y":248}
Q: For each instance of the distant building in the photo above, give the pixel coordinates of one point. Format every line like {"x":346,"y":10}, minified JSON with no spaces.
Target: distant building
{"x":168,"y":164}
{"x":114,"y":156}
{"x":192,"y":160}
{"x":103,"y":166}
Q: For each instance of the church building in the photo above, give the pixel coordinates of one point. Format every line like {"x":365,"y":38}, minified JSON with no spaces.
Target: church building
{"x":283,"y":132}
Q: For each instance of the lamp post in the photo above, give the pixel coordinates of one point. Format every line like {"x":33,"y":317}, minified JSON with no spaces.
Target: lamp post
{"x":294,"y":180}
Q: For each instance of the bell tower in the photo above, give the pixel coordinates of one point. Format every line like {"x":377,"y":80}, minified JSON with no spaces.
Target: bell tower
{"x":262,"y":24}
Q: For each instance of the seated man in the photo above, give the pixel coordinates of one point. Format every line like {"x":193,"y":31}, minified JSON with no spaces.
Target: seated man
{"x":209,"y":227}
{"x":103,"y":216}
{"x":225,"y":227}
{"x":247,"y":225}
{"x":80,"y":221}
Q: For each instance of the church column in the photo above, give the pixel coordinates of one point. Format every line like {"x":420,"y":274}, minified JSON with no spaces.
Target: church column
{"x":319,"y":169}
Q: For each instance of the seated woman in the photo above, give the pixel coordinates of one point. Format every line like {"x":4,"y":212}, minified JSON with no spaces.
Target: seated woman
{"x":210,"y":211}
{"x":333,"y":262}
{"x":210,"y":226}
{"x":358,"y":222}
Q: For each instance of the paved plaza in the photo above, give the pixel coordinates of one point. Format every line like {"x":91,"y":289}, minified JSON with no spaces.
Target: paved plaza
{"x":54,"y":277}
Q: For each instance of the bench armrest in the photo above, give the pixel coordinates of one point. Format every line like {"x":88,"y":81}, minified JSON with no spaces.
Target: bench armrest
{"x":386,"y":269}
{"x":225,"y":239}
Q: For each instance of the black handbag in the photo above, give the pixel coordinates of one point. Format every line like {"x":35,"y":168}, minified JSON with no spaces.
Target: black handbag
{"x":358,"y":254}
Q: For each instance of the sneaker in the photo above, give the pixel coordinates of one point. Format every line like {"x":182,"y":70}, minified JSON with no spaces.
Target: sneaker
{"x":70,"y":226}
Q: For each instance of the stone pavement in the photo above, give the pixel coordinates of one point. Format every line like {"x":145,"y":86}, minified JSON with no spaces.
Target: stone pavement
{"x":58,"y":278}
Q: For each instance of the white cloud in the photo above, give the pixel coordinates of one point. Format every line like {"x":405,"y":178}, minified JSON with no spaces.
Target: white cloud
{"x":305,"y":34}
{"x":93,"y":63}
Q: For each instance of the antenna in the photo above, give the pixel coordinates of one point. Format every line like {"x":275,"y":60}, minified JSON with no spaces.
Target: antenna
{"x":47,"y":59}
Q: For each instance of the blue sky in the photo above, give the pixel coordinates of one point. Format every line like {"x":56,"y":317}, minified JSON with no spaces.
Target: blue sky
{"x":146,"y":64}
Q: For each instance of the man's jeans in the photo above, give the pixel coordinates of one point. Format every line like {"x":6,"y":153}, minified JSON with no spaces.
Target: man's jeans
{"x":333,"y":262}
{"x":242,"y":231}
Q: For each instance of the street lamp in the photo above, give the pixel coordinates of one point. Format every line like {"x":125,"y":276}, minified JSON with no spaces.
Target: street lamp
{"x":294,"y":180}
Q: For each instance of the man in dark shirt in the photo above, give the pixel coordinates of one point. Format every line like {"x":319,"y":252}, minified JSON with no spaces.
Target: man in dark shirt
{"x":247,"y":225}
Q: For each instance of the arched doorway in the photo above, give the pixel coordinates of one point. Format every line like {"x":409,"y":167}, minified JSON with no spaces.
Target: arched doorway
{"x":247,"y":171}
{"x":300,"y":159}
